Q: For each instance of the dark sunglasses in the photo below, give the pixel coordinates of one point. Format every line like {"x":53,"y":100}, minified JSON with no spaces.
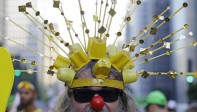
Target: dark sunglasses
{"x":84,"y":95}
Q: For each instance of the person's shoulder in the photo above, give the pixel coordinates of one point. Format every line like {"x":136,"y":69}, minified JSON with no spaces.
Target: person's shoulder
{"x":38,"y":110}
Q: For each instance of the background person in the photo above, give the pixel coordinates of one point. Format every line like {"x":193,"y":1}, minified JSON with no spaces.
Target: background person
{"x":27,"y":96}
{"x":156,"y":102}
{"x":192,"y":107}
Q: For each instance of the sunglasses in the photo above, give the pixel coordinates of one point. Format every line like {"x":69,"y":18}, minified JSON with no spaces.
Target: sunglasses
{"x":84,"y":95}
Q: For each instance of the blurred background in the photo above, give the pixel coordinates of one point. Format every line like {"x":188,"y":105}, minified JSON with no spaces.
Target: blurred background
{"x":182,"y":89}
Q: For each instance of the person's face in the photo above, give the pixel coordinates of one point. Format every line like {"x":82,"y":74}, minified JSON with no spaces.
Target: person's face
{"x":86,"y":106}
{"x":155,"y":108}
{"x":109,"y":106}
{"x":27,"y":96}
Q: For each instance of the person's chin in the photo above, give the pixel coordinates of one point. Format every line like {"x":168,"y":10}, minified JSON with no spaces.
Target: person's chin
{"x":24,"y":103}
{"x":89,"y":109}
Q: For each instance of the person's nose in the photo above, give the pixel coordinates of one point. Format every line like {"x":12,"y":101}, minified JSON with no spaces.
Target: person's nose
{"x":22,"y":95}
{"x":97,"y":102}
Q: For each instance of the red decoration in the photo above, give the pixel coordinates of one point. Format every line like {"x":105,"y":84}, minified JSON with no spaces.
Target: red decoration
{"x":97,"y":102}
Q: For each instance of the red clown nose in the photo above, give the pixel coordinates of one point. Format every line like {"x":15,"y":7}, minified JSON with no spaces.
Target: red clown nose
{"x":97,"y":102}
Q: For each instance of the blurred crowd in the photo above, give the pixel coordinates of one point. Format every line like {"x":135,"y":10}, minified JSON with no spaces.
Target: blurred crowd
{"x":25,"y":100}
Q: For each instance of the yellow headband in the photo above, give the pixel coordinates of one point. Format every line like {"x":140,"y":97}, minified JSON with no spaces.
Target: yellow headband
{"x":26,"y":85}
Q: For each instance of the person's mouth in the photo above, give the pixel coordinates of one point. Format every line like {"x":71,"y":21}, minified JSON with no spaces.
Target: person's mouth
{"x":89,"y":109}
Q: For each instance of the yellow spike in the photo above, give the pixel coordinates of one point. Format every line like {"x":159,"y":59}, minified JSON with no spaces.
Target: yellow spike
{"x":30,"y":71}
{"x":45,"y":32}
{"x":28,"y":33}
{"x":96,"y":16}
{"x":79,"y":40}
{"x":105,"y":12}
{"x":67,"y":23}
{"x":110,"y":21}
{"x":33,"y":19}
{"x":104,"y":17}
{"x":167,"y":53}
{"x":125,"y":18}
{"x":168,"y":36}
{"x":99,"y":21}
{"x":31,"y":63}
{"x":172,"y":15}
{"x":39,"y":39}
{"x":28,"y":48}
{"x":149,"y":26}
{"x":168,"y":8}
{"x":83,"y":17}
{"x":39,"y":14}
{"x":165,"y":73}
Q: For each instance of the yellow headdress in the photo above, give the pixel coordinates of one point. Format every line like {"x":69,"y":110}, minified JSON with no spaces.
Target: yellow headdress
{"x":107,"y":56}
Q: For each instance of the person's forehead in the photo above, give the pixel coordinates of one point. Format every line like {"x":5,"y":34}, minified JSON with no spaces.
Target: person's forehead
{"x":88,"y":74}
{"x":85,"y":73}
{"x":25,"y":90}
{"x":95,"y":88}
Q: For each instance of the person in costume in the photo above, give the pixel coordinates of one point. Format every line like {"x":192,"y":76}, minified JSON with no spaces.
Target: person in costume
{"x":94,"y":98}
{"x":95,"y":73}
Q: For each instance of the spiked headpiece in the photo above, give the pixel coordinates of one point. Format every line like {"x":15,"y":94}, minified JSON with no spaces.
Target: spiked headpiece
{"x":81,"y":53}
